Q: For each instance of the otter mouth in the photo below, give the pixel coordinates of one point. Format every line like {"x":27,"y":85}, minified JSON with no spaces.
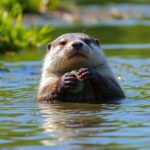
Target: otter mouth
{"x":77,"y":55}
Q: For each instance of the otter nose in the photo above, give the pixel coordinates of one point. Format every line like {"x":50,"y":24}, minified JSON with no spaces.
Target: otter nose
{"x":77,"y":45}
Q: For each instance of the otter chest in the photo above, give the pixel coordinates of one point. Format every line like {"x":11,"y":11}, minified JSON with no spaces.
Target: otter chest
{"x":87,"y":94}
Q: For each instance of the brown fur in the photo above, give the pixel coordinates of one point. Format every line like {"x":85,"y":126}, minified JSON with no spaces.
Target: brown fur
{"x":85,"y":56}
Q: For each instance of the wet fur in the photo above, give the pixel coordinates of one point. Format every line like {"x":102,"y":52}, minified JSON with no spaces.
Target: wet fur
{"x":57,"y":81}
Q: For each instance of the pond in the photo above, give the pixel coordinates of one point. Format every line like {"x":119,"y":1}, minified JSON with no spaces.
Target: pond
{"x":125,"y":125}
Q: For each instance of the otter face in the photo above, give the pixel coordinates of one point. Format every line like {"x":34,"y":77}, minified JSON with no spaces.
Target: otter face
{"x":74,"y":50}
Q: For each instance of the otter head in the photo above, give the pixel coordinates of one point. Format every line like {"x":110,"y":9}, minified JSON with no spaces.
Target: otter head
{"x":73,"y":51}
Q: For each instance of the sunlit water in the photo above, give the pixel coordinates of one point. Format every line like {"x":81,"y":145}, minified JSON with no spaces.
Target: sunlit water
{"x":123,"y":125}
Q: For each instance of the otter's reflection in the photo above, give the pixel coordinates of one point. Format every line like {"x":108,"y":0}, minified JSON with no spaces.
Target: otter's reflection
{"x":66,"y":122}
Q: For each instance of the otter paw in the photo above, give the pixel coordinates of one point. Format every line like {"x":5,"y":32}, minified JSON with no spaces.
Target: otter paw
{"x":69,"y":82}
{"x":87,"y":73}
{"x":80,"y":84}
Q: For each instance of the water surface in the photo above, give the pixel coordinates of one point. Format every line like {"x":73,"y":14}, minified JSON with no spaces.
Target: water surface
{"x":75,"y":126}
{"x":124,"y":125}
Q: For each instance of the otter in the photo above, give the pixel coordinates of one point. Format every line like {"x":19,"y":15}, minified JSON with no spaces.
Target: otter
{"x":75,"y":69}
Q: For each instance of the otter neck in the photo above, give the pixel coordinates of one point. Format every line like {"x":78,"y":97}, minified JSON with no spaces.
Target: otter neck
{"x":63,"y":71}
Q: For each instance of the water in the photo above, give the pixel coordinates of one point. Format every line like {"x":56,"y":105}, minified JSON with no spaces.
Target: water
{"x":125,"y":125}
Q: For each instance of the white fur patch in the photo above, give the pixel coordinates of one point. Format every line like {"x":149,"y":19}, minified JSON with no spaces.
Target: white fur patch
{"x":56,"y":60}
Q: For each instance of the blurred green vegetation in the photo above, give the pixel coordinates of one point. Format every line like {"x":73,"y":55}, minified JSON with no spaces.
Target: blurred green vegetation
{"x":36,"y":6}
{"x":41,"y":6}
{"x":14,"y":35}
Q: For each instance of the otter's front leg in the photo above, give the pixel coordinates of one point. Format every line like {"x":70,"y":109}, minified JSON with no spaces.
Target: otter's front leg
{"x":105,"y":88}
{"x":68,"y":82}
{"x":56,"y":90}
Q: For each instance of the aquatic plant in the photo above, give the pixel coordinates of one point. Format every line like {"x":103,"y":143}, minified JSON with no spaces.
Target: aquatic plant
{"x":14,"y":35}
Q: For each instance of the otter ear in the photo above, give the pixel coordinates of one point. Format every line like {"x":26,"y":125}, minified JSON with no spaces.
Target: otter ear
{"x":49,"y":46}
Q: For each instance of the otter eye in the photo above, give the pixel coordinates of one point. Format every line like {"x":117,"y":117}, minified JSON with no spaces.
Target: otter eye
{"x":87,"y":41}
{"x":62,"y":42}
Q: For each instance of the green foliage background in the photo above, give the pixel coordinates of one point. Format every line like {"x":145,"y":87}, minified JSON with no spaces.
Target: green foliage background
{"x":14,"y":35}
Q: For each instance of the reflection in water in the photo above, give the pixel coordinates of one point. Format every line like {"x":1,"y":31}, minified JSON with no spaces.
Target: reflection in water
{"x":68,"y":123}
{"x":101,"y":126}
{"x":66,"y":115}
